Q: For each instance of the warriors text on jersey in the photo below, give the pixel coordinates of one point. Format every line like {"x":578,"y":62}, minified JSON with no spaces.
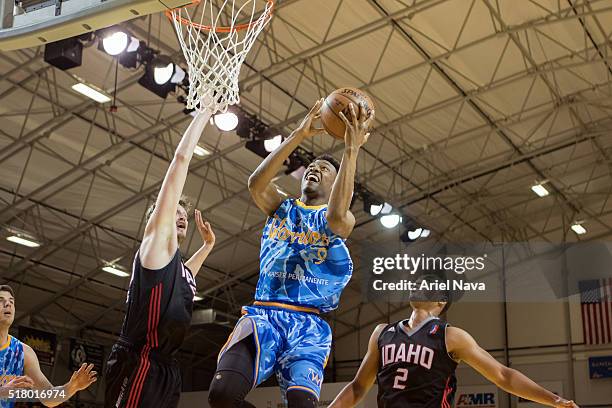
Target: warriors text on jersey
{"x":11,"y":364}
{"x":415,"y":369}
{"x":159,"y":306}
{"x":302,"y":262}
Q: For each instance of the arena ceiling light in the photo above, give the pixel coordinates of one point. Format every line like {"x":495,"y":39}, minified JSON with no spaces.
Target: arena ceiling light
{"x":578,"y":228}
{"x":165,"y":70}
{"x":540,"y":190}
{"x":413,"y":233}
{"x":226,"y":121}
{"x":115,"y":42}
{"x":91,"y":91}
{"x":201,"y":151}
{"x":390,"y":220}
{"x":22,"y":238}
{"x":380,"y":209}
{"x":115,"y":270}
{"x":273,"y":143}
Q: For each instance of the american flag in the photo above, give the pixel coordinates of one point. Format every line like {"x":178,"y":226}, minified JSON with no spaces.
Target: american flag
{"x":596,"y":305}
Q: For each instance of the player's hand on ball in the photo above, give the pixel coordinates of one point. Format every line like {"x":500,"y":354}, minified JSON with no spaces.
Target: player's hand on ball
{"x":204,"y":228}
{"x":307,"y":127}
{"x":357,"y":127}
{"x":83,"y":377}
{"x":22,"y":381}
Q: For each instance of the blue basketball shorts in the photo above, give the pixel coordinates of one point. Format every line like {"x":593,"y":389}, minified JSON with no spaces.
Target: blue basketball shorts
{"x":293,"y":344}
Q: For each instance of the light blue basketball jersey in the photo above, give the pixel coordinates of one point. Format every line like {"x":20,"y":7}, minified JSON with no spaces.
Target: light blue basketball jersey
{"x":302,"y":262}
{"x":11,"y":364}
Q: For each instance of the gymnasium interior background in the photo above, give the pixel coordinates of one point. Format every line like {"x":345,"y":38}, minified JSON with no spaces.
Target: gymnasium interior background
{"x":476,"y":101}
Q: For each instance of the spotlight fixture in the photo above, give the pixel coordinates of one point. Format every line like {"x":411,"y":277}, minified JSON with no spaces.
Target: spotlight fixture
{"x":114,"y":43}
{"x":91,"y":91}
{"x":380,"y":209}
{"x":578,"y":228}
{"x":273,"y":143}
{"x":390,"y":220}
{"x":148,"y":81}
{"x":64,"y":54}
{"x":22,"y":238}
{"x":413,"y":233}
{"x":164,"y":71}
{"x":227,"y":121}
{"x":540,"y":190}
{"x":115,"y":270}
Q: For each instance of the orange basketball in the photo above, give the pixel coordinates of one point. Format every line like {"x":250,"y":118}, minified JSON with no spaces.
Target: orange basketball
{"x":338,"y":101}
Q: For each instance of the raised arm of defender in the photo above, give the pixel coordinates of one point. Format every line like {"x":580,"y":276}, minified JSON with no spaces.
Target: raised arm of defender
{"x":463,"y":347}
{"x":340,"y":219}
{"x":81,"y":379}
{"x":263,"y":191}
{"x":355,"y":390}
{"x":160,"y":239}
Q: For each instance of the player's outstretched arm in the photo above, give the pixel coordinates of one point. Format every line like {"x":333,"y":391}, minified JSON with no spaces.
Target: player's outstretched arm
{"x":340,"y":219}
{"x":463,"y":347}
{"x":208,"y":242}
{"x":160,"y":241}
{"x":81,"y":379}
{"x":354,"y":391}
{"x":262,"y":189}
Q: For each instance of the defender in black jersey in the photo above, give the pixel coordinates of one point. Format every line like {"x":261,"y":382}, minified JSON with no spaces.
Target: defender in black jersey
{"x":141,"y":370}
{"x":414,"y":362}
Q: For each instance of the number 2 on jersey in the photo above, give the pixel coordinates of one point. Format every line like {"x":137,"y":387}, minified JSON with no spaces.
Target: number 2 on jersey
{"x":400,"y":379}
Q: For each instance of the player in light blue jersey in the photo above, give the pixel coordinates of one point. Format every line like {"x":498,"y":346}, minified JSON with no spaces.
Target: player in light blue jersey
{"x":19,"y":368}
{"x":304,"y":266}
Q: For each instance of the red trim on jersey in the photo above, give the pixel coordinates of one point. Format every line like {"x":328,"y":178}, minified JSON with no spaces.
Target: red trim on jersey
{"x":447,"y":390}
{"x":136,"y":389}
{"x":152,"y":342}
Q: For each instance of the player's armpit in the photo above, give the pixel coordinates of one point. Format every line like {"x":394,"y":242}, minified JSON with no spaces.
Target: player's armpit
{"x":355,"y":390}
{"x":463,"y":346}
{"x":267,"y":199}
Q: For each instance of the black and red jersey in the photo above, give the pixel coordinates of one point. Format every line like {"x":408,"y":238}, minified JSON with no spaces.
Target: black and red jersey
{"x":159,"y":306}
{"x":415,"y":368}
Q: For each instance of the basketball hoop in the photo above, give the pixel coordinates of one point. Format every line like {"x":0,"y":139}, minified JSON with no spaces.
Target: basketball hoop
{"x":215,"y":52}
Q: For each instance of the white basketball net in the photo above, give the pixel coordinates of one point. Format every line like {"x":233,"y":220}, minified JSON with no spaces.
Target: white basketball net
{"x":215,"y":54}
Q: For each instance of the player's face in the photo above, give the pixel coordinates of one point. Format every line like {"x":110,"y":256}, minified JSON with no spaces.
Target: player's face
{"x":7,"y":307}
{"x":319,"y":177}
{"x":181,"y":223}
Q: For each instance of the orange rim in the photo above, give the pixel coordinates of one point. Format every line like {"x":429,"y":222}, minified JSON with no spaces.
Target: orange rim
{"x":222,"y":29}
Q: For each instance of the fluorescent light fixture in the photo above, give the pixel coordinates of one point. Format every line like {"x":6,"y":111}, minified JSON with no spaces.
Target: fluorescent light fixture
{"x":197,"y":298}
{"x":116,"y":43}
{"x":115,"y":270}
{"x":578,"y":228}
{"x":272,"y":144}
{"x":226,"y":121}
{"x":91,"y":92}
{"x":390,"y":220}
{"x":540,"y":190}
{"x":200,"y":151}
{"x":30,"y":243}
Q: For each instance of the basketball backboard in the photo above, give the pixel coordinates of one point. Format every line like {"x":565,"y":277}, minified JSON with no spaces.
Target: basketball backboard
{"x":29,"y":23}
